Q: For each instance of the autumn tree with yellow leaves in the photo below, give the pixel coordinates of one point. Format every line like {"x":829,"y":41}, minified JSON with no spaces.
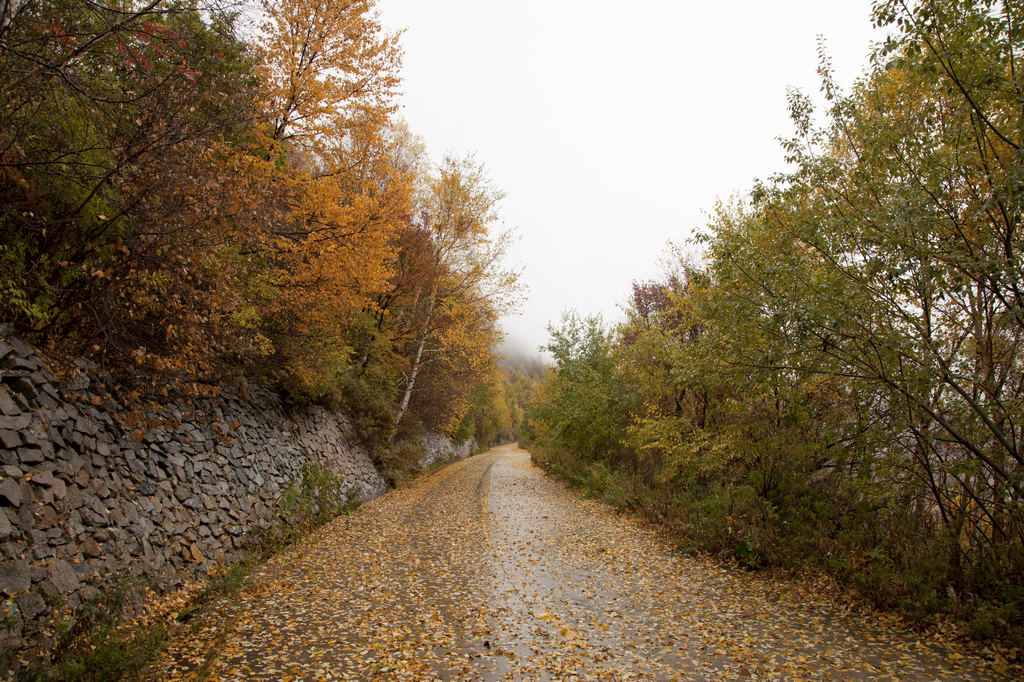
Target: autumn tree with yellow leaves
{"x":466,"y":287}
{"x":328,"y":76}
{"x":430,"y":335}
{"x":188,"y":194}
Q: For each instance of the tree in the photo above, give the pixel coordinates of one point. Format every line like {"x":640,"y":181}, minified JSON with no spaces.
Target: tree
{"x":885,"y":274}
{"x":581,"y":408}
{"x":842,"y":377}
{"x":328,"y":77}
{"x":327,"y":68}
{"x":104,"y":105}
{"x":464,"y":286}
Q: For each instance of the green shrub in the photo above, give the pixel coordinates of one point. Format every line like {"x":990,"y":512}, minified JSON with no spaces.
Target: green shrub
{"x":399,"y":461}
{"x":316,"y":498}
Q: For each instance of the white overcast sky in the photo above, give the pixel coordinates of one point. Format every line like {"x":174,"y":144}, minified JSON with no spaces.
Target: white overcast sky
{"x":612,"y":127}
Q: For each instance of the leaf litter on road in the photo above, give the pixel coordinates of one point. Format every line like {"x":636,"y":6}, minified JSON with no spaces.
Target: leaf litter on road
{"x":487,"y":569}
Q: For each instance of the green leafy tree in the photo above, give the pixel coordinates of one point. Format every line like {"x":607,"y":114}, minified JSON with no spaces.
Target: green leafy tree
{"x":580,"y":409}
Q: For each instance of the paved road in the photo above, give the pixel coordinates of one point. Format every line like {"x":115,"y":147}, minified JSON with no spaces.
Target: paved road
{"x":489,"y":570}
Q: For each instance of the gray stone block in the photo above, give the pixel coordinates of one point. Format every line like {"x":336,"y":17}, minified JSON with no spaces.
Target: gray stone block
{"x":21,"y":348}
{"x":69,"y":462}
{"x":25,"y":387}
{"x":46,"y":517}
{"x":10,"y":439}
{"x":19,"y":421}
{"x":74,"y":498}
{"x":73,"y":524}
{"x":10,"y":492}
{"x":30,"y":455}
{"x":64,"y":577}
{"x":59,"y":489}
{"x":8,"y":407}
{"x":15,"y":577}
{"x":44,"y":477}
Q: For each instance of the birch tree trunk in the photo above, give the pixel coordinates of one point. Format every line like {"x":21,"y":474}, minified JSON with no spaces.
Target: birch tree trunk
{"x":417,"y":364}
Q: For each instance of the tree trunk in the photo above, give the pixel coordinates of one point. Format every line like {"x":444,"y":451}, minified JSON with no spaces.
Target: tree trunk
{"x":417,"y":364}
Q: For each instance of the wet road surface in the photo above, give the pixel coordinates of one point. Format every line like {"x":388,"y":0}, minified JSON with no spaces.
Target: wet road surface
{"x":488,"y":570}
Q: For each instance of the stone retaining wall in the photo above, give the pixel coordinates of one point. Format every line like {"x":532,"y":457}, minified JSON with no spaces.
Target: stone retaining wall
{"x":86,"y":499}
{"x":437,"y":448}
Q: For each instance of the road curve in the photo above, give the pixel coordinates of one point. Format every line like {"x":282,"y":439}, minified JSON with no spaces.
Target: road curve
{"x":487,"y":570}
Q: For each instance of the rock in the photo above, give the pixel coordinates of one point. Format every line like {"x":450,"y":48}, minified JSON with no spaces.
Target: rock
{"x":10,"y":439}
{"x":90,"y":548}
{"x":10,"y":493}
{"x":43,"y":495}
{"x":64,"y":577}
{"x":10,"y":626}
{"x":21,"y":348}
{"x":53,"y":434}
{"x":44,"y":477}
{"x":100,"y":488}
{"x":15,"y":577}
{"x":74,"y":524}
{"x":46,"y":586}
{"x":69,"y":463}
{"x":79,"y":382}
{"x":85,"y":425}
{"x":31,"y":604}
{"x":25,"y":519}
{"x":7,"y":405}
{"x":135,"y":465}
{"x":46,"y":518}
{"x":74,"y":496}
{"x":98,"y":508}
{"x":26,"y":388}
{"x":59,"y":489}
{"x":16,"y":421}
{"x":5,"y":525}
{"x":196,"y":553}
{"x":30,"y":455}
